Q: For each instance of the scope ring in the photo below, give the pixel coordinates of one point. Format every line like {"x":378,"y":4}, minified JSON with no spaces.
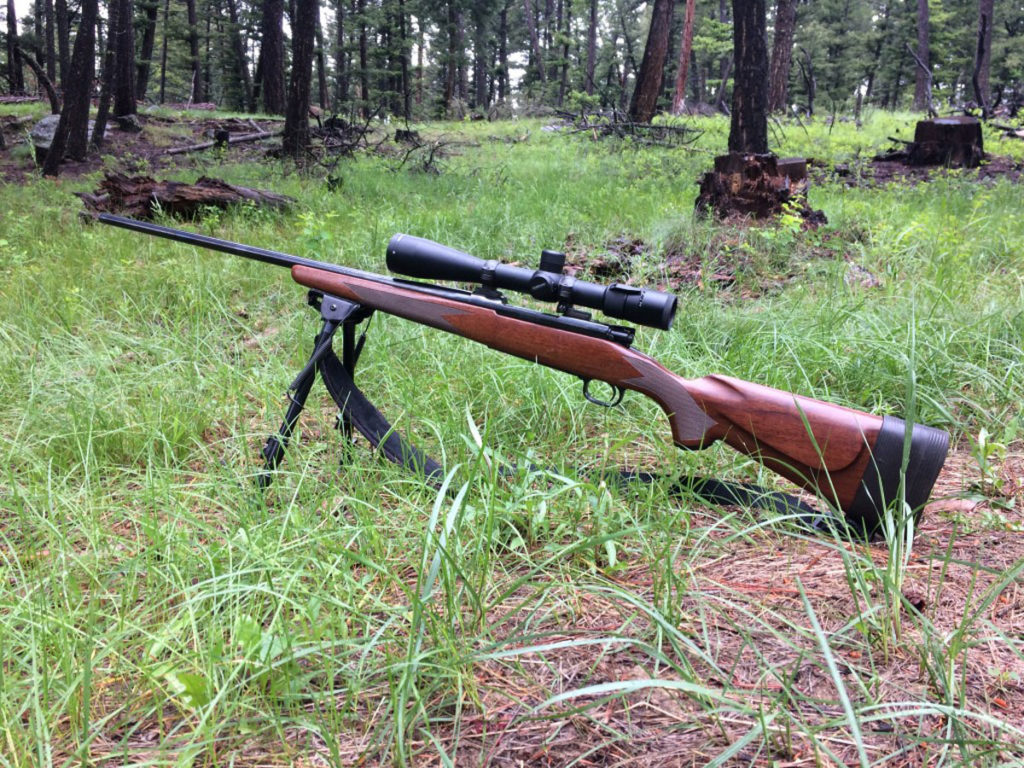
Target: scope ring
{"x":487,"y":273}
{"x":565,"y":288}
{"x":619,"y":394}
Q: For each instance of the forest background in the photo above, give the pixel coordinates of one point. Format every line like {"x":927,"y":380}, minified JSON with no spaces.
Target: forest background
{"x":423,"y":59}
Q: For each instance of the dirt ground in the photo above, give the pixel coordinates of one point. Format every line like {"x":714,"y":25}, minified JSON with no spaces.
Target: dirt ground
{"x":877,"y":173}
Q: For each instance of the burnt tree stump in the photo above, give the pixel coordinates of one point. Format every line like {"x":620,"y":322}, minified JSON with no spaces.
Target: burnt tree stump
{"x":758,"y":186}
{"x":953,"y":141}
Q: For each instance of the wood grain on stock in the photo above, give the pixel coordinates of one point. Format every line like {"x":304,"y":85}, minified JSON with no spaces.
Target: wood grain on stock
{"x":700,"y":411}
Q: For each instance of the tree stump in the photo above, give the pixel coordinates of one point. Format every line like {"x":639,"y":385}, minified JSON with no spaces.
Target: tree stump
{"x":952,"y":141}
{"x":757,"y":186}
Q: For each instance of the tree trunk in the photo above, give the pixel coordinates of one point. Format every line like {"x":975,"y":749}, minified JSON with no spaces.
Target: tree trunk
{"x":503,"y":75}
{"x":272,"y":57}
{"x":63,"y":40}
{"x":588,"y":83}
{"x":480,"y":57}
{"x":340,"y":57}
{"x":50,"y":51}
{"x":321,"y":65}
{"x":922,"y":85}
{"x":652,"y":67}
{"x":122,"y":40}
{"x":364,"y":73}
{"x":196,"y":92}
{"x":686,"y":48}
{"x":72,"y":135}
{"x":563,"y":87}
{"x":106,"y":77}
{"x":449,"y":62}
{"x":564,"y":15}
{"x":15,"y":77}
{"x":421,"y":45}
{"x":782,"y":55}
{"x":460,"y":53}
{"x":876,"y":56}
{"x":983,"y":55}
{"x":629,"y":60}
{"x":531,"y":29}
{"x":241,"y":60}
{"x":144,"y":66}
{"x":748,"y":132}
{"x":163,"y":53}
{"x":296,"y":125}
{"x":406,"y":85}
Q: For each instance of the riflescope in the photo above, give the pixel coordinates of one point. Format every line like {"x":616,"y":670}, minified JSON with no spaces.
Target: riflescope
{"x":417,"y":257}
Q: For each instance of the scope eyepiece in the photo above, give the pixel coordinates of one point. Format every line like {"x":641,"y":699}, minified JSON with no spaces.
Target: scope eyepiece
{"x":417,"y":257}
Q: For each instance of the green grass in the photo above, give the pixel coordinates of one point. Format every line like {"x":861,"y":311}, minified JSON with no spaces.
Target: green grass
{"x":156,"y":610}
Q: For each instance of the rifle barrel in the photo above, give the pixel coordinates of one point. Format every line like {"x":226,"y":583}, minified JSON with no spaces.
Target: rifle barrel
{"x":277,"y":258}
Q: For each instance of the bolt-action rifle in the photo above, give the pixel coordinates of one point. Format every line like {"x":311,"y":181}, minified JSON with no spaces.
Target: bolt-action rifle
{"x":859,"y":462}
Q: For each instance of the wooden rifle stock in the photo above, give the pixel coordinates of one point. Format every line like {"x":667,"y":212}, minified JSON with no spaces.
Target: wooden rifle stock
{"x":851,"y":458}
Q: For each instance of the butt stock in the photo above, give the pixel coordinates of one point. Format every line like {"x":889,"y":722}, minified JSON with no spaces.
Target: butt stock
{"x":860,"y":462}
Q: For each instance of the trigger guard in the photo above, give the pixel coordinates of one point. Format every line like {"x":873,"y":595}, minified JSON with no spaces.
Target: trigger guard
{"x":619,"y":394}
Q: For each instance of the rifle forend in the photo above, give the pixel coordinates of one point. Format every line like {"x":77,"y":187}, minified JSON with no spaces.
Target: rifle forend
{"x":862,"y":463}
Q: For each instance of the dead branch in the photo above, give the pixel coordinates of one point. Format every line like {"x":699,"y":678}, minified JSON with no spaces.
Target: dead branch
{"x":611,"y":125}
{"x":233,"y":140}
{"x":51,"y":92}
{"x":928,"y":80}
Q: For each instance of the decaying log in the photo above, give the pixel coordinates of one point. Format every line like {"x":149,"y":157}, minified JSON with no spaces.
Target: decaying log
{"x":220,"y":141}
{"x":1009,"y":131}
{"x":141,"y":196}
{"x":954,"y":141}
{"x":757,"y":186}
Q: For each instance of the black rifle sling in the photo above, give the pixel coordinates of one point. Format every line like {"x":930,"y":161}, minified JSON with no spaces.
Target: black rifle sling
{"x":357,"y":411}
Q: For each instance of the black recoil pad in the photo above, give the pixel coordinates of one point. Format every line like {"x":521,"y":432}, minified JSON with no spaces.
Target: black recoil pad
{"x":880,"y":486}
{"x":421,"y":258}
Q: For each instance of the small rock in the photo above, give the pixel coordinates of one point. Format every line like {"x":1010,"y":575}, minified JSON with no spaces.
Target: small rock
{"x":43,"y":132}
{"x":128,"y":123}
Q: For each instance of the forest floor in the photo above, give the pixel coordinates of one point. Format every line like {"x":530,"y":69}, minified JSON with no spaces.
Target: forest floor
{"x":155,"y":610}
{"x":146,"y":151}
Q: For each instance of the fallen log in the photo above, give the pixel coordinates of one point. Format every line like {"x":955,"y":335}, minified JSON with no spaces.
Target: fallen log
{"x":220,"y":142}
{"x":142,"y":197}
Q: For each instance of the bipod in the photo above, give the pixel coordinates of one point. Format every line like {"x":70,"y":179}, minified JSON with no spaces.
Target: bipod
{"x":355,"y":410}
{"x":335,"y":313}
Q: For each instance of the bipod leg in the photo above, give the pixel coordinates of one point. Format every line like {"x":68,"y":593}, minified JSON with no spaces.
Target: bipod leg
{"x":334,"y":312}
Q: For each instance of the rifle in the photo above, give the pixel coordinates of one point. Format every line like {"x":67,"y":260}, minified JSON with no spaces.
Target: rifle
{"x":859,"y":462}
